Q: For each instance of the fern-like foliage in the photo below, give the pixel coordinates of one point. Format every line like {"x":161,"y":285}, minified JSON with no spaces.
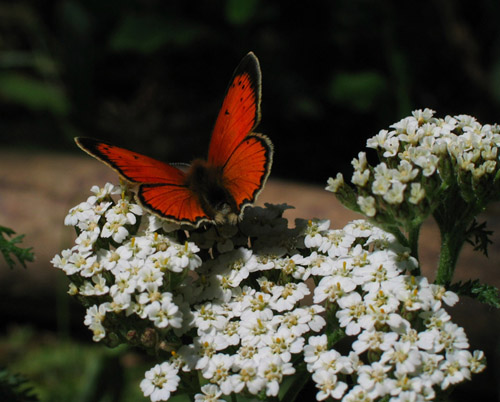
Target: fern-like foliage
{"x":9,"y":248}
{"x":15,"y":388}
{"x":473,"y":288}
{"x":479,"y":237}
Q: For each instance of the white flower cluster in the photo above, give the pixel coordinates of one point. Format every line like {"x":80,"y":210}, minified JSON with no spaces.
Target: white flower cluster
{"x":126,"y":271}
{"x":420,"y":156}
{"x":247,"y":305}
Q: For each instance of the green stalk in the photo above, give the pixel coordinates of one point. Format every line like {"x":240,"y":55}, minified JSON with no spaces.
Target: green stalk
{"x":413,"y":235}
{"x":453,"y":224}
{"x":451,"y":244}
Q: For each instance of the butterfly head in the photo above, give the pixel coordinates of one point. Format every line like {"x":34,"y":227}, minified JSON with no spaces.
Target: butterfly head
{"x":224,"y":214}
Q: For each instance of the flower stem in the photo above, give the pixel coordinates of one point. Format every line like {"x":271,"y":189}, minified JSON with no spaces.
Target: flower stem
{"x":450,"y":249}
{"x":453,"y":226}
{"x":413,"y":235}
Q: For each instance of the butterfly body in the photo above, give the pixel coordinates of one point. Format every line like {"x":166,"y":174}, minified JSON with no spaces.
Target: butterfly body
{"x":207,"y":183}
{"x":217,"y":189}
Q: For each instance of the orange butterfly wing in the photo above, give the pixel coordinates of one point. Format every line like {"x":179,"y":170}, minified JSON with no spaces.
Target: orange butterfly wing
{"x":240,"y":111}
{"x":246,"y":171}
{"x":161,"y":186}
{"x":176,"y":203}
{"x":132,"y":166}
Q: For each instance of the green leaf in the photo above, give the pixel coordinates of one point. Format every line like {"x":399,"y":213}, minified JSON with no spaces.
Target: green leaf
{"x":479,"y":237}
{"x":239,"y":12}
{"x":33,"y":93}
{"x":359,"y":90}
{"x":146,"y":34}
{"x":9,"y":248}
{"x":484,"y":293}
{"x":15,"y":388}
{"x":292,"y":385}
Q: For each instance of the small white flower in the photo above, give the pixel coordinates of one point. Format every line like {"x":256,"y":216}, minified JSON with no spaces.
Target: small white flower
{"x":315,"y":347}
{"x":352,"y":312}
{"x":149,"y":275}
{"x":114,"y":228}
{"x":477,"y":362}
{"x":298,"y":321}
{"x":333,"y":361}
{"x":82,"y":212}
{"x":391,"y":146}
{"x":404,"y":383}
{"x":86,"y":240}
{"x":423,"y":116}
{"x":248,"y":377}
{"x":374,"y":378}
{"x":97,"y":287}
{"x":332,"y":288}
{"x":314,"y":233}
{"x":272,"y":369}
{"x":94,"y":318}
{"x":164,"y":313}
{"x":76,"y":262}
{"x":395,"y":194}
{"x":218,"y":371}
{"x":283,"y":343}
{"x":452,"y":337}
{"x":60,"y":261}
{"x":254,"y":326}
{"x":404,"y":356}
{"x":124,"y":284}
{"x":359,"y":228}
{"x":360,"y":178}
{"x":101,"y":193}
{"x":210,"y":393}
{"x":431,"y":372}
{"x":208,"y":316}
{"x":358,"y":394}
{"x":441,"y":294}
{"x":160,"y":382}
{"x":455,"y":369}
{"x":285,"y":297}
{"x":378,"y":140}
{"x":360,"y":163}
{"x":184,"y":257}
{"x":328,"y":385}
{"x":336,"y":243}
{"x":125,"y":209}
{"x":374,"y":340}
{"x":367,"y":205}
{"x":428,"y":162}
{"x":380,"y":186}
{"x":314,"y":319}
{"x":417,"y":193}
{"x":334,"y":184}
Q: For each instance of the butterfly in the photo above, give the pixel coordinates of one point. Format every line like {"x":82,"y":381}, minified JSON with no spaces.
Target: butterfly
{"x":216,"y":189}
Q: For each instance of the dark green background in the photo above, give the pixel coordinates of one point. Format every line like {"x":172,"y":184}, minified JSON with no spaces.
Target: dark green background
{"x":150,"y":75}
